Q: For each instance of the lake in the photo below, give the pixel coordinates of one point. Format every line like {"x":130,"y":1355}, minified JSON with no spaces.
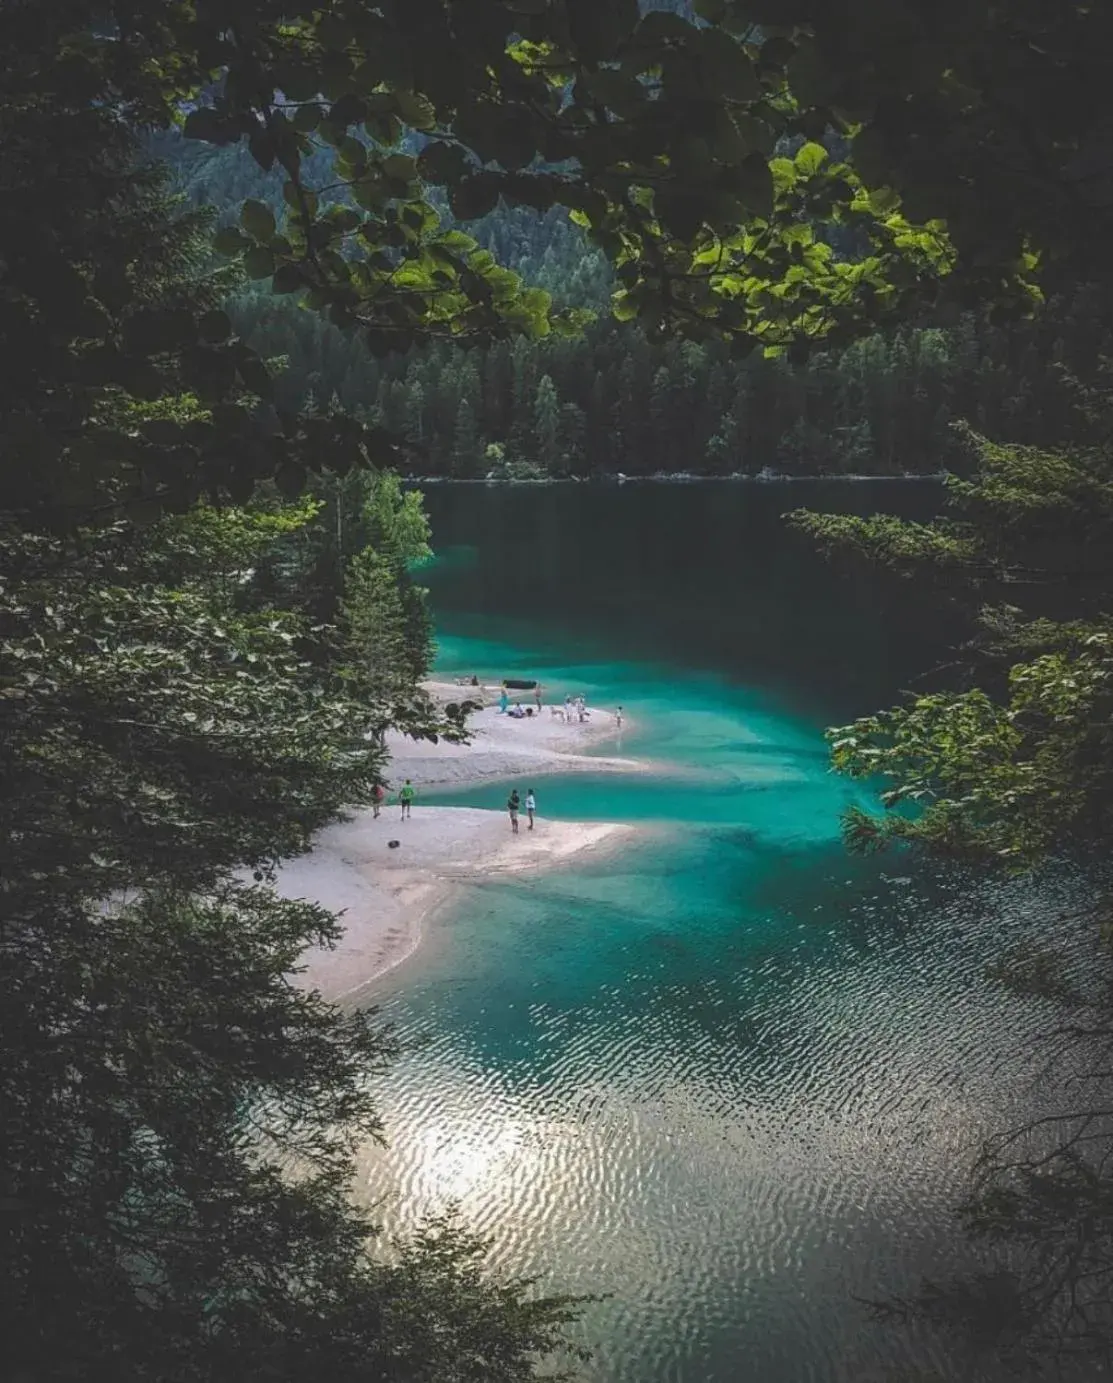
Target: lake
{"x":730,"y":1078}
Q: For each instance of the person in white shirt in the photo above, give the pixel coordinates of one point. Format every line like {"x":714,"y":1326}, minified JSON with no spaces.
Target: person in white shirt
{"x":531,"y":806}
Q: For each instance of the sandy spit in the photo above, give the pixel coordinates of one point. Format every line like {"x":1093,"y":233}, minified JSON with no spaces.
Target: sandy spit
{"x":502,"y":747}
{"x":386,"y":895}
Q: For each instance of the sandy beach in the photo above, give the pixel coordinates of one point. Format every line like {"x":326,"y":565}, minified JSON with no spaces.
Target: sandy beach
{"x":387,"y":895}
{"x":504,"y":747}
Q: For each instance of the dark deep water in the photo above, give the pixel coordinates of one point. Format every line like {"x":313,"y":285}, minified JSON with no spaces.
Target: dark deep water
{"x":730,"y":1076}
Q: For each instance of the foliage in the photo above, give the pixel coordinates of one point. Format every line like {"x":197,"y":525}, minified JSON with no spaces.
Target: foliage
{"x":180,"y":1112}
{"x":690,"y":151}
{"x":500,"y":466}
{"x":386,"y":637}
{"x":882,"y":406}
{"x":1020,"y":764}
{"x":750,"y":173}
{"x":396,"y":521}
{"x":1013,"y":765}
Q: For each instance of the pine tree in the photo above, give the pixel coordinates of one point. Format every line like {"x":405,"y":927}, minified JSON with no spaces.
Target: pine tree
{"x":415,"y":423}
{"x":465,"y":439}
{"x":546,"y":426}
{"x":573,"y":428}
{"x":373,"y":633}
{"x":724,"y":448}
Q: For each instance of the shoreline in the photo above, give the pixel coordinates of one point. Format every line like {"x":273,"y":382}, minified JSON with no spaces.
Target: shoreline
{"x":386,"y":896}
{"x":679,"y":478}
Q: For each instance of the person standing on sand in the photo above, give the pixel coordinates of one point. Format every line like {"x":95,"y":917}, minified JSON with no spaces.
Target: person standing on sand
{"x":513,"y":806}
{"x":537,"y":695}
{"x":504,"y":700}
{"x":531,"y":806}
{"x":618,"y":717}
{"x":406,"y":797}
{"x":377,"y":800}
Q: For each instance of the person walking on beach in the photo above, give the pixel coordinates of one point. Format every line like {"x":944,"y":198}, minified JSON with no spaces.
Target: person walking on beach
{"x":504,"y":700}
{"x":537,"y":695}
{"x":377,"y":797}
{"x":618,"y":717}
{"x":406,"y":797}
{"x":513,"y":806}
{"x":531,"y":806}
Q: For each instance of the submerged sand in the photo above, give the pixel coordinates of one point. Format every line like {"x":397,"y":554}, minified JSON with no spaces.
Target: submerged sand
{"x":385,"y":896}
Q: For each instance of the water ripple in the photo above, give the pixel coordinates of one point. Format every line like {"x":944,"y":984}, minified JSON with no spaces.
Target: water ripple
{"x":732,"y":1134}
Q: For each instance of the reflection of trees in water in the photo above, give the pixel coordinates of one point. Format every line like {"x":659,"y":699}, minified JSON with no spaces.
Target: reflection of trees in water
{"x":1041,"y":1201}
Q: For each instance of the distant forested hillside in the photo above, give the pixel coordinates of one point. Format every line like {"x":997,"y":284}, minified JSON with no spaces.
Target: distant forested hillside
{"x":613,"y":401}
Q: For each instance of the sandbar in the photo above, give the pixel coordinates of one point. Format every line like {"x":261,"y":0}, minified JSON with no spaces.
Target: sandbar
{"x":502,"y":747}
{"x":386,"y":895}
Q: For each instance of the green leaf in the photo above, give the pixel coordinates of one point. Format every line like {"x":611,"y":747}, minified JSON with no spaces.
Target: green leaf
{"x":474,"y":197}
{"x":727,"y":69}
{"x":884,"y":200}
{"x":257,"y":220}
{"x":416,"y":110}
{"x":440,"y":162}
{"x":810,"y":158}
{"x":306,"y":118}
{"x":287,"y":279}
{"x":400,"y":166}
{"x":350,"y":109}
{"x":229,"y":241}
{"x":624,"y":307}
{"x":205,"y":123}
{"x":682,"y":212}
{"x":598,"y":29}
{"x":261,"y":146}
{"x":755,"y":185}
{"x":258,"y":262}
{"x":352,"y":150}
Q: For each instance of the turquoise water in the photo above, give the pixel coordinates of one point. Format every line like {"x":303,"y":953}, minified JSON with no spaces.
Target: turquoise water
{"x":726,"y":756}
{"x":727,"y":1074}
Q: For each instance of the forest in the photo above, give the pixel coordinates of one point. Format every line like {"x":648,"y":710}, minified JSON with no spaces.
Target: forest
{"x":610,"y":401}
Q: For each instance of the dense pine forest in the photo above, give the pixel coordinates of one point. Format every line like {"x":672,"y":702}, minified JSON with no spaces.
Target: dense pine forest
{"x":613,"y":401}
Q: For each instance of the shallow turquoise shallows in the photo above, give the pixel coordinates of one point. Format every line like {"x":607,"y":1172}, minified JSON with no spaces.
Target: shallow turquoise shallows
{"x":728,"y":1076}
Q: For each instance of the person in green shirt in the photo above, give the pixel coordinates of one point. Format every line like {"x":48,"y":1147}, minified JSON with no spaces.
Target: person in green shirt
{"x":406,"y":797}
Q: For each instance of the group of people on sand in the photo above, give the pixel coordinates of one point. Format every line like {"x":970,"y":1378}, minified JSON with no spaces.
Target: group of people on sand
{"x":406,"y":794}
{"x":574,"y":708}
{"x":514,"y":807}
{"x":518,"y":711}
